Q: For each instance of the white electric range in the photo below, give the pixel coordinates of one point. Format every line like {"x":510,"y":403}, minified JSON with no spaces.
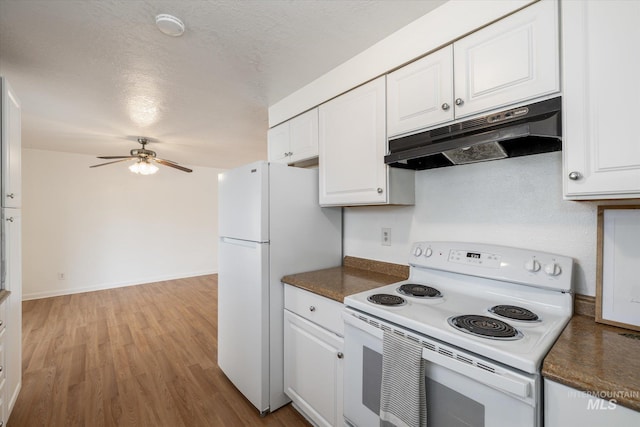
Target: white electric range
{"x":486,"y":316}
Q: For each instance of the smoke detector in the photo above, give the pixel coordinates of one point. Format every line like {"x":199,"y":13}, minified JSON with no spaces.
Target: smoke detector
{"x":170,"y":25}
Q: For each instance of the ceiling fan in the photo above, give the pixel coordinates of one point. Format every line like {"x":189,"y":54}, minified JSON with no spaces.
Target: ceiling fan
{"x":145,"y":160}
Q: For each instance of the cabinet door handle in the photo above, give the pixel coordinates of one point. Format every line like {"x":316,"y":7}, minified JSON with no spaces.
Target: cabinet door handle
{"x":1,"y":323}
{"x":340,"y":355}
{"x":290,"y":153}
{"x":11,"y":195}
{"x":312,"y":308}
{"x":459,"y":101}
{"x":445,"y":106}
{"x":10,"y":219}
{"x":574,"y":176}
{"x":379,"y":190}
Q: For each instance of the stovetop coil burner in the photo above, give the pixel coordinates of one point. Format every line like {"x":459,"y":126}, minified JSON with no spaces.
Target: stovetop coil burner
{"x":514,"y":312}
{"x":420,"y":291}
{"x":386,"y":299}
{"x":484,"y":326}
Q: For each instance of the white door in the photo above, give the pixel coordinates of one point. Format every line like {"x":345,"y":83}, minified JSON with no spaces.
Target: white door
{"x":243,"y":317}
{"x":352,"y":147}
{"x":313,"y":369}
{"x":420,"y":94}
{"x":243,"y":204}
{"x":512,"y":60}
{"x":11,"y":147}
{"x":601,"y":147}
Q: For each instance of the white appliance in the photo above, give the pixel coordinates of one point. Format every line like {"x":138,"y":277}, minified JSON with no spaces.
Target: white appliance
{"x":471,"y":380}
{"x":270,"y":225}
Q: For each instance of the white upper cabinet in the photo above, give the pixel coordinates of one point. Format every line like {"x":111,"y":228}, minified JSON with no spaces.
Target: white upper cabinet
{"x":11,"y":147}
{"x":510,"y":61}
{"x":421,"y":93}
{"x":353,"y":143}
{"x":601,"y":83}
{"x":294,"y":140}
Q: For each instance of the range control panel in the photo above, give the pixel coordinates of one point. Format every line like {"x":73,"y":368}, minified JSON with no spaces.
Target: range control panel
{"x":528,"y":267}
{"x":479,"y":259}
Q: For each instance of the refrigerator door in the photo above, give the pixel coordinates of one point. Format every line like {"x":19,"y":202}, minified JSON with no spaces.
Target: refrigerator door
{"x":243,"y":317}
{"x":243,"y":197}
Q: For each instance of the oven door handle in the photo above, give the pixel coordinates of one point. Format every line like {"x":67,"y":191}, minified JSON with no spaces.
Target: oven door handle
{"x":520,"y":387}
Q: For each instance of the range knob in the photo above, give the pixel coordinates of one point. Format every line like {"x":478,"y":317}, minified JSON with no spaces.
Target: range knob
{"x":552,"y":269}
{"x":532,"y":265}
{"x":417,"y":251}
{"x":428,"y":252}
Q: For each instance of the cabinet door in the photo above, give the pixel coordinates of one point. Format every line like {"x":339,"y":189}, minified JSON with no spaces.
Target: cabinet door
{"x":512,"y":60}
{"x":420,"y":94}
{"x":278,"y":143}
{"x":13,"y":282}
{"x":313,"y":369}
{"x":11,"y":147}
{"x":565,"y":406}
{"x":352,"y":147}
{"x":600,"y":86}
{"x":303,"y":136}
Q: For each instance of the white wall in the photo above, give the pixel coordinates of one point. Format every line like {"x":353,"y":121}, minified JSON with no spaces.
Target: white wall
{"x":106,"y":227}
{"x":514,"y":202}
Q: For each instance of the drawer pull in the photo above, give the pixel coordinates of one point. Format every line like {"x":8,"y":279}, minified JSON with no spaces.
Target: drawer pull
{"x":312,"y":308}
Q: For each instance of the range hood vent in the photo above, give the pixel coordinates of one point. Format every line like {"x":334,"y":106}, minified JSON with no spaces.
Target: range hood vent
{"x":530,"y":129}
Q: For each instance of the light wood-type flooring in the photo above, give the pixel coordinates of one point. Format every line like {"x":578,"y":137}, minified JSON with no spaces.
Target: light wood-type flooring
{"x":139,"y":356}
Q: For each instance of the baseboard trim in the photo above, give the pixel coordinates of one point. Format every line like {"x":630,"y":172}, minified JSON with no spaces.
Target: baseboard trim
{"x":105,"y":286}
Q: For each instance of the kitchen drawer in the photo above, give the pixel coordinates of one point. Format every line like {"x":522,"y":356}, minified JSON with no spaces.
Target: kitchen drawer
{"x":3,"y":370}
{"x":318,"y":309}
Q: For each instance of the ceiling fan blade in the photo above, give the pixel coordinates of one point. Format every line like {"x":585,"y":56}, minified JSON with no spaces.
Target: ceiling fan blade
{"x":117,"y":157}
{"x":172,"y":164}
{"x":108,"y":163}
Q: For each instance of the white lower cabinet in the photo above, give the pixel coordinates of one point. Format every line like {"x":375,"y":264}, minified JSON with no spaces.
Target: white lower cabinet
{"x":313,"y":358}
{"x":565,"y":406}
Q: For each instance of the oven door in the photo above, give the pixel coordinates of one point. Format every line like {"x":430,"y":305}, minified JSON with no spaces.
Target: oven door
{"x":459,"y":392}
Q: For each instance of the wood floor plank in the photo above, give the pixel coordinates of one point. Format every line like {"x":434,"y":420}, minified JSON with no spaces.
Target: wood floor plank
{"x":138,"y":356}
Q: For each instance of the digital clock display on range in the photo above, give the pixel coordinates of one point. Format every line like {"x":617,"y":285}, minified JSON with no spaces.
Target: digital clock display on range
{"x":473,"y":255}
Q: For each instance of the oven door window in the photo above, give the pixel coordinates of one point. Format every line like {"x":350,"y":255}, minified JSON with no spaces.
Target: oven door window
{"x":453,"y":399}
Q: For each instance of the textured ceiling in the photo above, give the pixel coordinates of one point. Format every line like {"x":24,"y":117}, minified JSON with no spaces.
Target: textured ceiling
{"x":94,"y":75}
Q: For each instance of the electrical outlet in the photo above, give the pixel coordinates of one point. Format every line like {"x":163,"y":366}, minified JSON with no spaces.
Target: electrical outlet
{"x":61,"y":276}
{"x":386,"y":237}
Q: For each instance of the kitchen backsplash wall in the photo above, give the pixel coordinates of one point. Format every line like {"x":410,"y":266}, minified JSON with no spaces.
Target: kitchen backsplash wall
{"x":513,"y":202}
{"x":106,"y":227}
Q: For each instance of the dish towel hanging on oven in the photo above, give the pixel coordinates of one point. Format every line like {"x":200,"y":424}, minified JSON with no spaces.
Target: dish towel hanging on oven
{"x":403,"y":401}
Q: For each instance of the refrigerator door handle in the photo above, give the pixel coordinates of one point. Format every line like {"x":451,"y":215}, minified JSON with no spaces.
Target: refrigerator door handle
{"x":240,"y":242}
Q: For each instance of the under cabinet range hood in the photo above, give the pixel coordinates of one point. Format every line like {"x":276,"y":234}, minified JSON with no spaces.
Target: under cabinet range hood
{"x":530,"y":129}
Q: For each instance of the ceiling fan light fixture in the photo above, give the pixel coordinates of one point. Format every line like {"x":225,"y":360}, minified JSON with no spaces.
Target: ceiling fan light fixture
{"x":170,"y":25}
{"x":143,"y":167}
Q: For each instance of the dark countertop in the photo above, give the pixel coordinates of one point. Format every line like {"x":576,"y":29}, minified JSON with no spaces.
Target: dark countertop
{"x":597,"y":358}
{"x":355,"y":275}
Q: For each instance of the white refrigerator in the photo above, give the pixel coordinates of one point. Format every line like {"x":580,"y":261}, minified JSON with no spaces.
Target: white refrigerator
{"x":270,"y":225}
